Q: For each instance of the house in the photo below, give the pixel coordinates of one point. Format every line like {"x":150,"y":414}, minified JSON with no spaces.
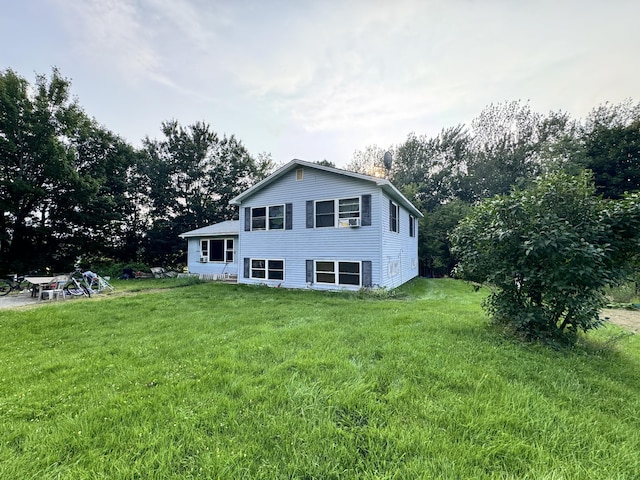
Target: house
{"x":211,"y":250}
{"x":312,"y":226}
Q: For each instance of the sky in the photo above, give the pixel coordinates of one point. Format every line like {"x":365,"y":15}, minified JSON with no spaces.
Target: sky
{"x":318,"y":80}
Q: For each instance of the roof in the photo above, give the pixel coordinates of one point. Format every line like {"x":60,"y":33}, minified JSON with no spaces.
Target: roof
{"x":229,"y":227}
{"x":383,"y":183}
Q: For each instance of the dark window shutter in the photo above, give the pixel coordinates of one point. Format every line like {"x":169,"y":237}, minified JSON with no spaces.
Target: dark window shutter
{"x":247,"y":263}
{"x":309,"y":271}
{"x":366,"y":274}
{"x":398,"y":218}
{"x":247,"y":219}
{"x":366,"y":210}
{"x":288,"y":220}
{"x":309,"y":213}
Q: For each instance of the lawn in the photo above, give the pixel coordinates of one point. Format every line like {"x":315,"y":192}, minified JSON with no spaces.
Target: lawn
{"x":231,"y":382}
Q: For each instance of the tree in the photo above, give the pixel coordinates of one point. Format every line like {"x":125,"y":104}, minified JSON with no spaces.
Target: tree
{"x":432,"y":166}
{"x":192,"y":175}
{"x":548,"y":252}
{"x":612,"y":144}
{"x":434,"y":248}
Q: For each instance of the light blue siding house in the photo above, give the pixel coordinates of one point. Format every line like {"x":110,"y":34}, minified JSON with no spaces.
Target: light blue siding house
{"x":211,"y":251}
{"x":312,"y":226}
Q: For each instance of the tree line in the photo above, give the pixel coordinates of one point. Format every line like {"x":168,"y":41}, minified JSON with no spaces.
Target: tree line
{"x":71,"y":189}
{"x":507,"y":146}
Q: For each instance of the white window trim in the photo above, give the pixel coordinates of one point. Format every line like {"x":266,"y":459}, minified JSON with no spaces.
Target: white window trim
{"x":336,"y":211}
{"x":266,"y":269}
{"x":336,"y":272}
{"x":225,"y":250}
{"x":266,"y":221}
{"x":397,"y":222}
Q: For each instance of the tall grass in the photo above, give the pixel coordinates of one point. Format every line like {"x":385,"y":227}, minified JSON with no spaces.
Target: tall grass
{"x":227,"y":381}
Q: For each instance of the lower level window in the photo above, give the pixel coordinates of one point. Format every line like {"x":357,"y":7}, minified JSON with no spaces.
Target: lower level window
{"x":337,"y":272}
{"x":267,"y":269}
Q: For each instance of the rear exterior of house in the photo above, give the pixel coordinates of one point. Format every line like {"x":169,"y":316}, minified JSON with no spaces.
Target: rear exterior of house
{"x":311,"y":226}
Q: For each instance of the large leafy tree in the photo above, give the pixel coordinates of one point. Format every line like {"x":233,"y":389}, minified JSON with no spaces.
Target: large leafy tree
{"x":547,"y":252}
{"x":192,"y":174}
{"x":612,"y":148}
{"x":63,"y":177}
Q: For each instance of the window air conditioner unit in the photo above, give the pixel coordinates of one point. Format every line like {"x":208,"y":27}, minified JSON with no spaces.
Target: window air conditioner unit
{"x":354,"y":222}
{"x":204,"y":259}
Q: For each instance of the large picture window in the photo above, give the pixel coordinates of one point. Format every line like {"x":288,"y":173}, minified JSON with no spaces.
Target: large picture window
{"x":337,"y":272}
{"x":264,"y":269}
{"x":217,"y":250}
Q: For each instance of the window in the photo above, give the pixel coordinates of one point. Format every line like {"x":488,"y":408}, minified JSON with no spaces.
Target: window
{"x":204,"y":251}
{"x":229,"y":250}
{"x":258,"y":268}
{"x":325,"y":213}
{"x":299,"y":174}
{"x":394,"y":217}
{"x":412,"y":226}
{"x":275,"y":269}
{"x":268,"y":218}
{"x":276,"y":217}
{"x":349,"y":273}
{"x":217,"y":250}
{"x":325,"y":272}
{"x":337,"y":272}
{"x":267,"y":269}
{"x":259,"y":218}
{"x":342,"y":212}
{"x":348,"y":208}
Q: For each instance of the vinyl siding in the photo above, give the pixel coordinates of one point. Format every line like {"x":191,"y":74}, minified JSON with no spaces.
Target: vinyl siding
{"x":301,"y":243}
{"x":399,"y":262}
{"x":209,"y":268}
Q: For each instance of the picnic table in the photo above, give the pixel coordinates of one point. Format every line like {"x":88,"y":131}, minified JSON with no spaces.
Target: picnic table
{"x":43,"y":284}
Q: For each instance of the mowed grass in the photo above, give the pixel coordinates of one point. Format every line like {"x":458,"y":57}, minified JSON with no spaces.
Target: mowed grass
{"x":231,"y":382}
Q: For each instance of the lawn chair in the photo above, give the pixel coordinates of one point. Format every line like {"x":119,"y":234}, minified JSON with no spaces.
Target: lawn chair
{"x":54,"y":289}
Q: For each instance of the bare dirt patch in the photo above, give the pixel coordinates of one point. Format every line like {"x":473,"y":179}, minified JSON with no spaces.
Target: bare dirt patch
{"x":629,"y":319}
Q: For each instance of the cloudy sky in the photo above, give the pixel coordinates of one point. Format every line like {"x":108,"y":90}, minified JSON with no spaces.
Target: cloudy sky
{"x":320,"y":79}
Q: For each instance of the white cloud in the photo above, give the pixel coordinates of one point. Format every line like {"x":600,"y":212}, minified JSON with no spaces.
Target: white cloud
{"x":109,"y":32}
{"x":338,"y":74}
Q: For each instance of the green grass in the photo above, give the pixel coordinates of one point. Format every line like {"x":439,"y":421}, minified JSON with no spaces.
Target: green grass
{"x":231,"y":382}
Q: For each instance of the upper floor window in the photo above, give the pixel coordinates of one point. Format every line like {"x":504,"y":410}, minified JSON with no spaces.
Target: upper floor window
{"x":412,"y":226}
{"x":348,"y":208}
{"x":394,"y":217}
{"x":267,"y":218}
{"x":339,"y":212}
{"x":325,"y":213}
{"x":276,"y":217}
